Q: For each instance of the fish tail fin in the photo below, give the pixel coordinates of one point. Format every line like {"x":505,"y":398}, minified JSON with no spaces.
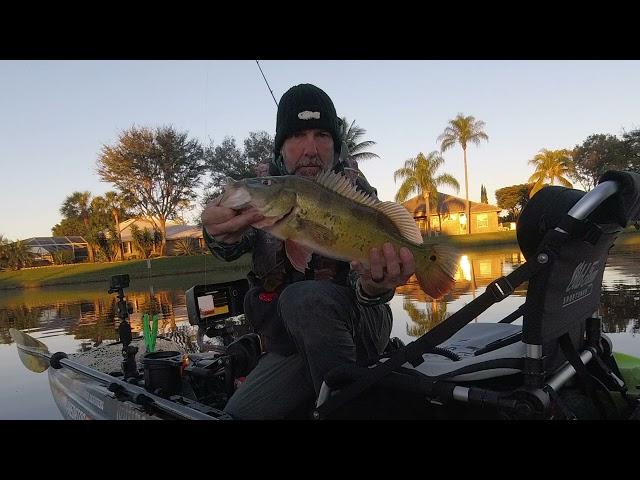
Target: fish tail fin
{"x":436,"y":267}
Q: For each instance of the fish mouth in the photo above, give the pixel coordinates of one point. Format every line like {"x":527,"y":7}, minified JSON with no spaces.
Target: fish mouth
{"x":237,"y":198}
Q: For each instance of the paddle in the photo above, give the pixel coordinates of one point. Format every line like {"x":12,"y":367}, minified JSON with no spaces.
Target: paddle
{"x":36,"y":357}
{"x":33,"y":353}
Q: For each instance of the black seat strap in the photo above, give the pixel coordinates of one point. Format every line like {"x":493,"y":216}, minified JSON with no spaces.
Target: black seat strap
{"x":513,"y":316}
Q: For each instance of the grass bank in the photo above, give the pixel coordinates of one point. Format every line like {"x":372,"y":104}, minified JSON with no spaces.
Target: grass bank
{"x":630,"y":236}
{"x":137,"y":269}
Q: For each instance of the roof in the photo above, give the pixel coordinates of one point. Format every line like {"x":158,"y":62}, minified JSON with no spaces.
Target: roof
{"x":175,"y":230}
{"x":44,"y":245}
{"x":448,"y":204}
{"x":46,"y":241}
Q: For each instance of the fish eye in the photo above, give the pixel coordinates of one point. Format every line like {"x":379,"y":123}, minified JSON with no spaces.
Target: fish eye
{"x":267,"y":182}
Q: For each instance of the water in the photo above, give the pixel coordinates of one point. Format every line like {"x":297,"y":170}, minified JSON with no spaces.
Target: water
{"x":71,"y":319}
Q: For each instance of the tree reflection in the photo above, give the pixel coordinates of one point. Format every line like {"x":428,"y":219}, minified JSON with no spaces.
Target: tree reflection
{"x":424,"y":320}
{"x":21,"y":318}
{"x":620,"y":308}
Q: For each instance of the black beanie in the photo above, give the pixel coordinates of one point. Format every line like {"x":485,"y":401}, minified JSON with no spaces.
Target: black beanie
{"x":306,"y":106}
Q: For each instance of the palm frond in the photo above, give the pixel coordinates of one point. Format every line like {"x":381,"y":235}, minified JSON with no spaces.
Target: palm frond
{"x":446,"y":179}
{"x":407,"y":188}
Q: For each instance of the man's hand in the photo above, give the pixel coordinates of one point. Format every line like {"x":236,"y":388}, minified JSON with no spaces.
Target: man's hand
{"x":387,"y":269}
{"x":227,"y":225}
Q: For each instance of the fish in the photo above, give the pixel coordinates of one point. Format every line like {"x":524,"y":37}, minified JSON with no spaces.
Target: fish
{"x":327,"y":215}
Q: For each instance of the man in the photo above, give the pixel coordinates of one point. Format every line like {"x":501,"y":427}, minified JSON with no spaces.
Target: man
{"x":334,"y":313}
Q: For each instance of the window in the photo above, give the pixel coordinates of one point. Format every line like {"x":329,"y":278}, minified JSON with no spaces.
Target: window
{"x":485,"y":268}
{"x":482,"y":220}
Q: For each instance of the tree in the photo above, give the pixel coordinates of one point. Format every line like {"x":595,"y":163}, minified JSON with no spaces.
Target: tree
{"x":631,"y":142}
{"x":419,"y":176}
{"x":513,"y":199}
{"x":258,"y":146}
{"x":351,"y":136}
{"x":117,"y":204}
{"x":483,"y":195}
{"x":145,"y":240}
{"x":157,"y":170}
{"x":77,"y":206}
{"x":186,"y":246}
{"x":109,"y":243}
{"x":18,"y":255}
{"x":227,"y":160}
{"x":68,"y":227}
{"x":597,"y":154}
{"x":4,"y":243}
{"x":552,"y":165}
{"x":463,"y":130}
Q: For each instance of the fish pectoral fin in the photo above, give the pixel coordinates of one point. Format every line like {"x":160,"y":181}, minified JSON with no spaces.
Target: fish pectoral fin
{"x":298,"y":255}
{"x":319,"y":233}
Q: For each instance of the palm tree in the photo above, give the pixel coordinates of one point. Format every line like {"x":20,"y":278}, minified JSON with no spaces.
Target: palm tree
{"x":552,"y":165}
{"x":18,"y":255}
{"x":355,"y":149}
{"x":351,"y":135}
{"x":116,"y":203}
{"x":463,"y":130}
{"x":419,"y":176}
{"x":78,"y":205}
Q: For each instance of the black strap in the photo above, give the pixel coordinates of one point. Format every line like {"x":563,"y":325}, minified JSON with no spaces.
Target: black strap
{"x":412,"y":352}
{"x":609,"y":374}
{"x":571,"y":354}
{"x":513,"y":316}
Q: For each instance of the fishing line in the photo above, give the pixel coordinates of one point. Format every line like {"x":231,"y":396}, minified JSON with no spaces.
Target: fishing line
{"x":265,"y":81}
{"x":205,"y":128}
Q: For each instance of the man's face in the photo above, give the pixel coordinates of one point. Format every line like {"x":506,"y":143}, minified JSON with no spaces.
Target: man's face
{"x":308,"y":152}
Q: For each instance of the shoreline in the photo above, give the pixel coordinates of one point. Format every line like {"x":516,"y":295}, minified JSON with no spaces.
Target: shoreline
{"x":76,"y":274}
{"x":96,"y":273}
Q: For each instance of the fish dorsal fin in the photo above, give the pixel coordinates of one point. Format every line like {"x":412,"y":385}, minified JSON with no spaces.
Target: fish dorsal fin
{"x":395,"y":212}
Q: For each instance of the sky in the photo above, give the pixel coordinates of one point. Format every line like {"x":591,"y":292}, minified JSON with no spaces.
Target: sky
{"x":55,"y":116}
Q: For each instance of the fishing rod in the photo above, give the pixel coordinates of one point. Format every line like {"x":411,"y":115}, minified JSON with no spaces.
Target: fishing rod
{"x":265,"y":81}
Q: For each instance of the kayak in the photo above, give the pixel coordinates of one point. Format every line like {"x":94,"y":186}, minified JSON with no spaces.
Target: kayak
{"x":91,"y":385}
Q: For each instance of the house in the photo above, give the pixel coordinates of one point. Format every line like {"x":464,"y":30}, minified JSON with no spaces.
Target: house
{"x":72,"y":248}
{"x":176,"y":232}
{"x":448,"y":215}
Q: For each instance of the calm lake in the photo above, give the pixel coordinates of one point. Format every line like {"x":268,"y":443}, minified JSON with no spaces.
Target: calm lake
{"x":74,"y":318}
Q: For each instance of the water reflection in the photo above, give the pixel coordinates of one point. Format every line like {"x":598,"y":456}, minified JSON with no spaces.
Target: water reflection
{"x":424,"y":320}
{"x":620,"y":307}
{"x":90,"y":315}
{"x":72,"y":319}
